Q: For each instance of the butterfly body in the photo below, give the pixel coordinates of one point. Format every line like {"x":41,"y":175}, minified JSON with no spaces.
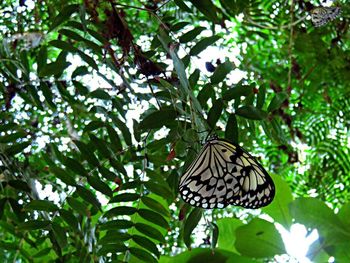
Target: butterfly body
{"x":224,"y":174}
{"x":322,"y":15}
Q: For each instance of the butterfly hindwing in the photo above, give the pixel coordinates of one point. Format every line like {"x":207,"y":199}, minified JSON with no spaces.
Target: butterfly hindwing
{"x":224,"y":174}
{"x":322,"y":15}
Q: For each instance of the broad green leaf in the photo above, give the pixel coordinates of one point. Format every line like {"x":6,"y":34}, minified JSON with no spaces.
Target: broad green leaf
{"x":153,"y":217}
{"x":63,"y":45}
{"x":261,"y":97}
{"x":13,"y":137}
{"x":121,"y":210}
{"x":190,"y":224}
{"x":100,"y":94}
{"x":231,"y":130}
{"x":80,"y":71}
{"x":278,"y":209}
{"x":147,"y":244}
{"x":221,"y":72}
{"x":215,"y":113}
{"x":142,"y":254}
{"x":88,"y":196}
{"x":252,"y":113}
{"x":314,"y":213}
{"x":125,"y":197}
{"x":238,"y":91}
{"x":41,"y":205}
{"x":78,"y":206}
{"x":87,"y":154}
{"x":34,"y":225}
{"x":214,"y":235}
{"x":183,"y":6}
{"x":150,"y":232}
{"x":207,"y":8}
{"x":344,"y":215}
{"x":159,"y":189}
{"x":259,"y":239}
{"x":157,"y":119}
{"x":192,"y":34}
{"x":112,"y":248}
{"x":227,"y":229}
{"x":155,"y":205}
{"x":89,"y":60}
{"x":20,"y":185}
{"x":99,"y":185}
{"x":203,"y":44}
{"x":114,"y":236}
{"x":63,"y":175}
{"x":60,"y":235}
{"x":116,"y":224}
{"x":206,"y":255}
{"x":75,"y":166}
{"x":16,"y":148}
{"x":64,"y":15}
{"x":194,"y":78}
{"x":277,"y":101}
{"x":70,"y":219}
{"x":42,"y":253}
{"x":114,"y":138}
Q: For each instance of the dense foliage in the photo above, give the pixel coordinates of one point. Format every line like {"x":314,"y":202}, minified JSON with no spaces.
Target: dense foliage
{"x":104,"y":103}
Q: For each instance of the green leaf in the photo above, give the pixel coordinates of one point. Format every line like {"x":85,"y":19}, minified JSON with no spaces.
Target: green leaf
{"x":41,"y":205}
{"x":142,"y":254}
{"x":214,"y":235}
{"x":278,"y":209}
{"x":86,"y":153}
{"x":63,"y":45}
{"x":99,"y":185}
{"x":277,"y":101}
{"x":190,"y":35}
{"x":231,"y":131}
{"x":194,"y":78}
{"x":2,"y":206}
{"x":60,"y":235}
{"x":116,"y":224}
{"x":155,"y":205}
{"x":313,"y":213}
{"x":190,"y":224}
{"x":42,"y":253}
{"x":207,"y":8}
{"x":100,"y":94}
{"x":158,"y":189}
{"x":215,"y":113}
{"x":252,"y":113}
{"x":150,"y":231}
{"x":33,"y":225}
{"x":237,"y":91}
{"x":344,"y":215}
{"x":183,"y":6}
{"x":147,"y":244}
{"x":261,"y":97}
{"x":206,"y":255}
{"x":114,"y":236}
{"x":80,"y":71}
{"x":121,"y":210}
{"x":157,"y":119}
{"x":19,"y":185}
{"x":89,"y":60}
{"x":221,"y":72}
{"x":64,"y":15}
{"x":114,"y":138}
{"x":203,"y":44}
{"x":227,"y":229}
{"x":153,"y":217}
{"x":78,"y":206}
{"x":63,"y":175}
{"x":259,"y":239}
{"x":125,"y":197}
{"x":75,"y":166}
{"x":112,"y":248}
{"x":88,"y":196}
{"x":70,"y":219}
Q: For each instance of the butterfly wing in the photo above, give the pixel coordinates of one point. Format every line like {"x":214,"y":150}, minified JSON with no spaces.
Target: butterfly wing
{"x":322,"y":15}
{"x":224,"y":174}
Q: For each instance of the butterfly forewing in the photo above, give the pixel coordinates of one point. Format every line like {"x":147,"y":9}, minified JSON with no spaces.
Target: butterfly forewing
{"x":224,"y":174}
{"x":322,"y":15}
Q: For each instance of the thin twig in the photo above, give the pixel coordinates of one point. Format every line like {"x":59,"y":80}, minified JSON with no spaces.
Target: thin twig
{"x":277,"y":27}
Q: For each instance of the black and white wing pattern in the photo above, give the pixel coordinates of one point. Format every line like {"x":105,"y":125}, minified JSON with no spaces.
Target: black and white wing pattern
{"x":224,"y":174}
{"x":322,"y":15}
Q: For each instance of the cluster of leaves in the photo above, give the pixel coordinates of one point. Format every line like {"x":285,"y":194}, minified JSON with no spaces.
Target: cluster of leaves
{"x":113,"y":179}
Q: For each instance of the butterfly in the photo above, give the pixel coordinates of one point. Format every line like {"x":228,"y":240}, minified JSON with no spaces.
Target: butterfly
{"x":224,"y":173}
{"x":322,"y":15}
